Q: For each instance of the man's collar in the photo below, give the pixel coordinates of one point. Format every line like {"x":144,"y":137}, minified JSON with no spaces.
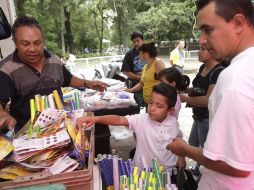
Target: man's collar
{"x":16,"y":58}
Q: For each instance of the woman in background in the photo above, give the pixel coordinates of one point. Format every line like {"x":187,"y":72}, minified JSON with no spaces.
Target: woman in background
{"x":149,"y":78}
{"x":198,"y":96}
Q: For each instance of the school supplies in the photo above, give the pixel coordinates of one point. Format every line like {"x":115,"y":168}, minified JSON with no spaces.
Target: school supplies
{"x":123,"y":175}
{"x":6,"y":147}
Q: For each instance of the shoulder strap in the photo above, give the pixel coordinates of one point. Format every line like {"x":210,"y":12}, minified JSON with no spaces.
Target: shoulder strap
{"x":213,"y":71}
{"x":1,"y":55}
{"x":201,"y":68}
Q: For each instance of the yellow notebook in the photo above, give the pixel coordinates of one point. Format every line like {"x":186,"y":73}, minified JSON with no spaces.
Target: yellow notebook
{"x":6,"y":147}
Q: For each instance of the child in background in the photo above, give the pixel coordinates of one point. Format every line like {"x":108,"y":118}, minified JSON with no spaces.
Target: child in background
{"x":174,"y":78}
{"x":153,"y":129}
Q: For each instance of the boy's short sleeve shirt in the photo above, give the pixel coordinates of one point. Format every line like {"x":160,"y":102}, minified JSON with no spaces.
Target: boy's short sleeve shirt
{"x":152,"y":139}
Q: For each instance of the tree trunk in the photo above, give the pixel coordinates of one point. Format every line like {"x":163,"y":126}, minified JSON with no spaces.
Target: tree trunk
{"x":40,"y":4}
{"x":101,"y":36}
{"x":96,"y":26}
{"x":20,"y":7}
{"x":62,"y":32}
{"x":99,"y":32}
{"x":120,"y":41}
{"x":69,"y":35}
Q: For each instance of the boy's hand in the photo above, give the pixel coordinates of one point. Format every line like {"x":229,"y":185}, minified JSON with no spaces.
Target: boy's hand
{"x":181,"y":163}
{"x":86,"y":121}
{"x":178,"y":147}
{"x":6,"y":120}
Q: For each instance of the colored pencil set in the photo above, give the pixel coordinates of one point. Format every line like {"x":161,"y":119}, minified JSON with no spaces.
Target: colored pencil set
{"x":53,"y":100}
{"x":40,"y":103}
{"x":72,"y":100}
{"x":123,"y":175}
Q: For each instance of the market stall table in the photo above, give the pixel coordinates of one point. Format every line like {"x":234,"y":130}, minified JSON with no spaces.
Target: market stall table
{"x":102,"y":132}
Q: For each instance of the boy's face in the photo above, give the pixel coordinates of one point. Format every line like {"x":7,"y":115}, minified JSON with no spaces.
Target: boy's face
{"x":158,"y":107}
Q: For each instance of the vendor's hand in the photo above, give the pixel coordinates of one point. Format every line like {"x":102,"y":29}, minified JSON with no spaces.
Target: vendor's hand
{"x":178,"y":146}
{"x":86,"y":121}
{"x":181,"y":163}
{"x":183,"y":97}
{"x":6,"y":120}
{"x":96,"y":85}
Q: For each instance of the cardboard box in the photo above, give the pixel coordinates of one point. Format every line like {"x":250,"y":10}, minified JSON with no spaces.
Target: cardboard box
{"x":76,"y":180}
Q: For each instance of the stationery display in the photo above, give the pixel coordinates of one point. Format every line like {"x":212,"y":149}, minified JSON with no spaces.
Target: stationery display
{"x":113,"y":97}
{"x":6,"y":146}
{"x":71,"y":99}
{"x":124,"y":175}
{"x":50,"y":143}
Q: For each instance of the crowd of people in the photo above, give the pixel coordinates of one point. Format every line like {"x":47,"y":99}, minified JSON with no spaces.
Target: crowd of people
{"x":221,"y":97}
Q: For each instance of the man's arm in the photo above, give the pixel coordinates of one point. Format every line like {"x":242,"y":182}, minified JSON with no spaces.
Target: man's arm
{"x":7,"y":91}
{"x":107,"y":120}
{"x":181,"y":148}
{"x":198,"y":101}
{"x":96,"y":85}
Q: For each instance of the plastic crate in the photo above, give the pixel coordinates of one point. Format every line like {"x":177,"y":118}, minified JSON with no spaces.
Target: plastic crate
{"x":80,"y":179}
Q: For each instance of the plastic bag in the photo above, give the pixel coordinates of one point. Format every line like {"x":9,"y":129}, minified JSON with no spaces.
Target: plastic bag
{"x":185,"y":180}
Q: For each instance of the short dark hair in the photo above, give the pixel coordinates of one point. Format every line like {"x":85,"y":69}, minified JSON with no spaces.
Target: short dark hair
{"x":173,"y":75}
{"x":25,"y":21}
{"x":227,"y":9}
{"x":149,"y":48}
{"x":167,"y":91}
{"x":136,"y":35}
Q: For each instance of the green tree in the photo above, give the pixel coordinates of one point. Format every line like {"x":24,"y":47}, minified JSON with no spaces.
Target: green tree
{"x":99,"y":10}
{"x":168,"y":21}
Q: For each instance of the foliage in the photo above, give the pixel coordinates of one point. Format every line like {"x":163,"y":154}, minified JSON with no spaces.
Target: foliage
{"x":79,"y":24}
{"x":168,"y":21}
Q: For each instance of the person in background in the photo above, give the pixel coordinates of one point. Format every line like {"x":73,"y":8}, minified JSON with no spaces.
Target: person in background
{"x":132,"y":66}
{"x":153,"y":129}
{"x":203,"y":85}
{"x":148,"y":53}
{"x":173,"y":77}
{"x":31,"y":70}
{"x":176,"y":57}
{"x":227,"y":31}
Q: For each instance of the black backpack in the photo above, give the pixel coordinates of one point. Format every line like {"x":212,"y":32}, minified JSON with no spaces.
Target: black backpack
{"x":5,"y":27}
